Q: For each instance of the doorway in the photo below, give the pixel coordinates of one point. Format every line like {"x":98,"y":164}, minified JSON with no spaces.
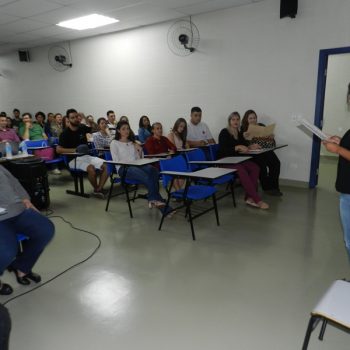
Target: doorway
{"x":332,"y":113}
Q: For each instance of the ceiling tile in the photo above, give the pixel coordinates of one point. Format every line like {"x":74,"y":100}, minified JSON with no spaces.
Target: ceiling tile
{"x":4,"y":2}
{"x":104,"y":5}
{"x":27,"y":8}
{"x":4,"y":18}
{"x":59,"y":15}
{"x":24,"y":25}
{"x":50,"y":31}
{"x":63,"y":2}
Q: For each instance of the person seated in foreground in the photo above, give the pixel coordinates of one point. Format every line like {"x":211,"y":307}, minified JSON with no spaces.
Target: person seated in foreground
{"x":124,"y":149}
{"x":145,"y":130}
{"x":18,"y":215}
{"x":231,"y":143}
{"x":5,"y":328}
{"x":6,"y":134}
{"x":178,"y":134}
{"x":157,"y":143}
{"x":71,"y":138}
{"x":198,"y":133}
{"x":29,"y":130}
{"x":268,"y":162}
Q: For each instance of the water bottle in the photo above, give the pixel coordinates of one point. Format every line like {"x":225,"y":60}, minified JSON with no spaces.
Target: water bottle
{"x":24,"y":148}
{"x":8,"y":150}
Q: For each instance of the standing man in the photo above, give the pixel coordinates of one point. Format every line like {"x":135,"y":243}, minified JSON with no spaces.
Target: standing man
{"x":198,"y":133}
{"x":341,"y":146}
{"x":76,"y":135}
{"x":111,"y":123}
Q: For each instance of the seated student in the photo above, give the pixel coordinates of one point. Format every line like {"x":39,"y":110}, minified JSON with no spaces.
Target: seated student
{"x":124,"y":149}
{"x":56,"y":126}
{"x":5,"y":328}
{"x":178,"y":134}
{"x":231,"y":143}
{"x":90,"y":122}
{"x":7,"y":134}
{"x":124,"y":118}
{"x":47,"y":128}
{"x":16,"y":118}
{"x":29,"y":130}
{"x":19,"y":215}
{"x":102,"y":138}
{"x":111,"y":122}
{"x":9,"y":122}
{"x":268,"y":162}
{"x":198,"y":133}
{"x":40,"y":119}
{"x":72,"y":137}
{"x":157,"y":143}
{"x":145,"y":130}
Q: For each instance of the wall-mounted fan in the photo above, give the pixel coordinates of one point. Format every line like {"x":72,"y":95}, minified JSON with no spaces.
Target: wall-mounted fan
{"x":183,"y":37}
{"x":59,"y":58}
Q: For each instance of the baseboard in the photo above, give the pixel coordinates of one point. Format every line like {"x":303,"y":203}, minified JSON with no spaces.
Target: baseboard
{"x":294,"y":183}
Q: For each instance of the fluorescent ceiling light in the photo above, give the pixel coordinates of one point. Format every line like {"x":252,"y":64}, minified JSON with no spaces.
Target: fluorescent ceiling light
{"x":88,"y":22}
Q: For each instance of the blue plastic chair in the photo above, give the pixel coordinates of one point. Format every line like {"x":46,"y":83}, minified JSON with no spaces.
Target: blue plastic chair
{"x":42,"y":143}
{"x":198,"y":155}
{"x":213,"y":151}
{"x":189,"y":194}
{"x":126,"y":184}
{"x":20,"y":238}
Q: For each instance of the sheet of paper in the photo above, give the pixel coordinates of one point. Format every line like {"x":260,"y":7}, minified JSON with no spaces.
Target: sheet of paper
{"x":260,"y":131}
{"x":3,"y":211}
{"x":313,"y":128}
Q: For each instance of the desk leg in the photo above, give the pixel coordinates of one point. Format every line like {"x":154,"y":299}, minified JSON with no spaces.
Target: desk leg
{"x":188,"y":210}
{"x":110,"y":192}
{"x":216,"y":209}
{"x":311,"y":326}
{"x":166,"y":204}
{"x":125,"y":185}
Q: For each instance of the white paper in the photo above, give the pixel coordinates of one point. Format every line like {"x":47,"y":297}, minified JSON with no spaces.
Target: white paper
{"x":313,"y":128}
{"x":3,"y":211}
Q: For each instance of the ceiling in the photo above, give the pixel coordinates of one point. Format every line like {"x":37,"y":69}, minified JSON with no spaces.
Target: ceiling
{"x":32,"y":23}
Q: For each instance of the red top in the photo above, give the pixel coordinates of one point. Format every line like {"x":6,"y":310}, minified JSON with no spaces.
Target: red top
{"x":155,"y":146}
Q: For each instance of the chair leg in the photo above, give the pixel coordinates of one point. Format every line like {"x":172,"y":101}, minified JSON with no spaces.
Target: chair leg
{"x":323,"y":329}
{"x":216,"y":209}
{"x":81,"y":180}
{"x":188,"y":209}
{"x":110,"y":194}
{"x":311,"y":326}
{"x":135,"y":193}
{"x":233,"y":193}
{"x":128,"y":200}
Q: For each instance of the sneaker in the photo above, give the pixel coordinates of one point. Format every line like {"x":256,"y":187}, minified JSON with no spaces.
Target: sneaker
{"x":99,"y":194}
{"x":56,"y":171}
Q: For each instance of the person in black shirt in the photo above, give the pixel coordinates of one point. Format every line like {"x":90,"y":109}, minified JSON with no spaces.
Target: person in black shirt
{"x":341,"y":146}
{"x":72,"y":137}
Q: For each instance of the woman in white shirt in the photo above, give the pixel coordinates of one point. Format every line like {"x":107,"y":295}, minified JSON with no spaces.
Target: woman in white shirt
{"x":123,"y":149}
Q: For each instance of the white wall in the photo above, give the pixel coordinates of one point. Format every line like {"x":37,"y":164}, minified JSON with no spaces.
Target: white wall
{"x":336,"y":110}
{"x":248,"y":58}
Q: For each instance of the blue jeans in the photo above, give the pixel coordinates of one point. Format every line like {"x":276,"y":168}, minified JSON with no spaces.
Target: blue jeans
{"x":37,"y":227}
{"x":148,"y":176}
{"x":345,"y":219}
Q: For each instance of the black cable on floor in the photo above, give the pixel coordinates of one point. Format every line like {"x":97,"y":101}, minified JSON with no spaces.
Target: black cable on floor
{"x":49,"y":215}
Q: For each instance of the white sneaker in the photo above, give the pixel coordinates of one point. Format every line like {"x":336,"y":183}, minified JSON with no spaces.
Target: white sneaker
{"x":56,"y":171}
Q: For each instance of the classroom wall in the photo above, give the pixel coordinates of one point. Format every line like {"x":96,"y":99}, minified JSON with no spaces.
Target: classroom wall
{"x":336,"y":109}
{"x":248,"y":58}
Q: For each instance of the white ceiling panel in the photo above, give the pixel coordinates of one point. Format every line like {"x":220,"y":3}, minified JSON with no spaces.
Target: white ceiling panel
{"x":104,"y":5}
{"x":4,"y":2}
{"x":4,"y":18}
{"x":59,"y":15}
{"x":26,"y":8}
{"x":36,"y":20}
{"x":23,"y":26}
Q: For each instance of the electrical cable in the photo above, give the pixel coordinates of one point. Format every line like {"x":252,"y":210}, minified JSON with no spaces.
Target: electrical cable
{"x":69,"y":268}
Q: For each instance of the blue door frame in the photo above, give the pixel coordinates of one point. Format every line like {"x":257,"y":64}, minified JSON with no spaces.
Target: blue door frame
{"x":320,"y":94}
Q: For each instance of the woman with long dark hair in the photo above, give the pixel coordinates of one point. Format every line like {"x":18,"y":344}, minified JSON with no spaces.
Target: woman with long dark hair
{"x":178,"y":134}
{"x":145,"y":130}
{"x":268,"y":162}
